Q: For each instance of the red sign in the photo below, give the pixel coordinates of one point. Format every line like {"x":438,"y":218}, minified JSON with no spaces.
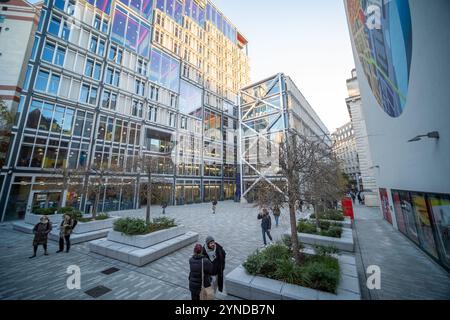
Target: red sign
{"x":347,"y":206}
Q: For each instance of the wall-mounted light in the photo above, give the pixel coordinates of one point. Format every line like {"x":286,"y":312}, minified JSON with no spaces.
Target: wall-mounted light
{"x":431,"y":135}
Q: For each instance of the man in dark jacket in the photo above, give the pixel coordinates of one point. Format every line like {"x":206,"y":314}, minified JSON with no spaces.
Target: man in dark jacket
{"x":216,"y":255}
{"x":195,"y":274}
{"x":266,"y":225}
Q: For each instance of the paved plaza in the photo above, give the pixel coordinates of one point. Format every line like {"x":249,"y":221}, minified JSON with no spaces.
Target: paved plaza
{"x":406,"y":272}
{"x":234,"y":226}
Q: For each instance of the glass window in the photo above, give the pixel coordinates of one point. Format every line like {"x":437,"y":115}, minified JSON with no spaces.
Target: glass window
{"x":42,"y":80}
{"x":190,"y":99}
{"x":109,"y":76}
{"x":440,"y":210}
{"x":424,"y":227}
{"x":38,"y":156}
{"x":60,"y":54}
{"x":104,"y":5}
{"x":84,"y":96}
{"x":34,"y":114}
{"x":88,"y":125}
{"x":93,"y":96}
{"x":35,"y":45}
{"x":68,"y":122}
{"x":105,"y":99}
{"x":102,"y":128}
{"x":47,"y":115}
{"x":41,"y":19}
{"x":66,"y":31}
{"x":54,"y":26}
{"x":132,"y":33}
{"x":97,"y":71}
{"x":25,"y":156}
{"x":57,"y":120}
{"x":93,"y":44}
{"x":118,"y":27}
{"x":60,"y":4}
{"x":113,"y":101}
{"x":89,"y":68}
{"x":101,"y":47}
{"x":164,"y":70}
{"x":54,"y":84}
{"x":79,"y":122}
{"x":112,"y":53}
{"x":97,"y":22}
{"x":26,"y":81}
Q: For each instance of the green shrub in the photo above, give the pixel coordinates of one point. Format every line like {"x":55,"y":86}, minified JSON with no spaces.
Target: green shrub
{"x":44,"y":211}
{"x":137,"y":226}
{"x":327,"y":228}
{"x":305,"y":226}
{"x":320,"y":271}
{"x":325,"y":250}
{"x":330,"y":214}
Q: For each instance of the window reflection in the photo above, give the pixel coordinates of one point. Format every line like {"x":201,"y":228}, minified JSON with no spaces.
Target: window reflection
{"x":190,"y":99}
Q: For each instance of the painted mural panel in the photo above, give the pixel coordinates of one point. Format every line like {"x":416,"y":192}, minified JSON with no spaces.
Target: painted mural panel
{"x":382,"y":35}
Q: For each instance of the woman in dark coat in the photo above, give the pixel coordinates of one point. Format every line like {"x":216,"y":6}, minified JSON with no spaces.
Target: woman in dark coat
{"x":195,"y":274}
{"x":216,"y":255}
{"x":41,"y":231}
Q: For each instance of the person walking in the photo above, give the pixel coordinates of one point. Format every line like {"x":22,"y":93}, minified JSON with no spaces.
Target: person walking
{"x":360,"y":200}
{"x":41,"y":231}
{"x":65,"y":230}
{"x":266,"y":225}
{"x":200,"y":272}
{"x":214,"y":205}
{"x":276,"y":214}
{"x":216,"y":255}
{"x":164,"y":206}
{"x":352,"y":195}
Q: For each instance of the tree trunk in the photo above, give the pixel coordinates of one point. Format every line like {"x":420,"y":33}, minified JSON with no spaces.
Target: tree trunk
{"x":149,"y":198}
{"x":294,"y":236}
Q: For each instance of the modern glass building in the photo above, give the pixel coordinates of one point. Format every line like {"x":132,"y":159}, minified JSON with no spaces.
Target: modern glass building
{"x":269,"y":110}
{"x":108,"y":81}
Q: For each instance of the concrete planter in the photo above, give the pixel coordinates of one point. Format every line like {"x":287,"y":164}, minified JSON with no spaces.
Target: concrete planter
{"x":347,"y":223}
{"x":141,"y":256}
{"x":243,"y":285}
{"x":344,"y":243}
{"x":33,"y":219}
{"x":147,"y":240}
{"x":85,"y":227}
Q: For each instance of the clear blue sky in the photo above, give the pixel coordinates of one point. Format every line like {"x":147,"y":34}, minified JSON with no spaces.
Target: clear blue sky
{"x":306,"y":39}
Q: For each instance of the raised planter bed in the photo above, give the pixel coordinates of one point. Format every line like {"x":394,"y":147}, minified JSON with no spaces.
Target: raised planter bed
{"x":243,"y":285}
{"x":344,"y":243}
{"x":141,"y":256}
{"x":146,"y":240}
{"x":347,"y":223}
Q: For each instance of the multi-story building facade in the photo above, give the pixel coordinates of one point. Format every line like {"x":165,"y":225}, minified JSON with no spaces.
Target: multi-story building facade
{"x":355,"y":109}
{"x":404,"y":78}
{"x":18,"y":21}
{"x":344,"y":146}
{"x":110,"y":81}
{"x":269,"y":110}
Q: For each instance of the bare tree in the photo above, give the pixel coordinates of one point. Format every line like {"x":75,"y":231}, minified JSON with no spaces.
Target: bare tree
{"x":148,"y":165}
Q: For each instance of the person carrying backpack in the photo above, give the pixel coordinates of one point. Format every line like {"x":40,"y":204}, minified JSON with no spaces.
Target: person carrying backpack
{"x":276,"y":214}
{"x":65,"y":230}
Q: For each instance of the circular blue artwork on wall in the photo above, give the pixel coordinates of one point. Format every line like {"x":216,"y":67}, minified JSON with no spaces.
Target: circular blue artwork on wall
{"x":382,"y":36}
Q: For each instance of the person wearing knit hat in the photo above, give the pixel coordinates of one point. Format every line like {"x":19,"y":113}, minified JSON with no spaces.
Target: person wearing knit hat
{"x":216,"y":255}
{"x":199,"y":265}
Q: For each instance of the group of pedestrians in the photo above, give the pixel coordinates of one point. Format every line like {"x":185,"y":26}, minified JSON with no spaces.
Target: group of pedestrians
{"x":357,"y":195}
{"x":206,"y":270}
{"x":43,"y":228}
